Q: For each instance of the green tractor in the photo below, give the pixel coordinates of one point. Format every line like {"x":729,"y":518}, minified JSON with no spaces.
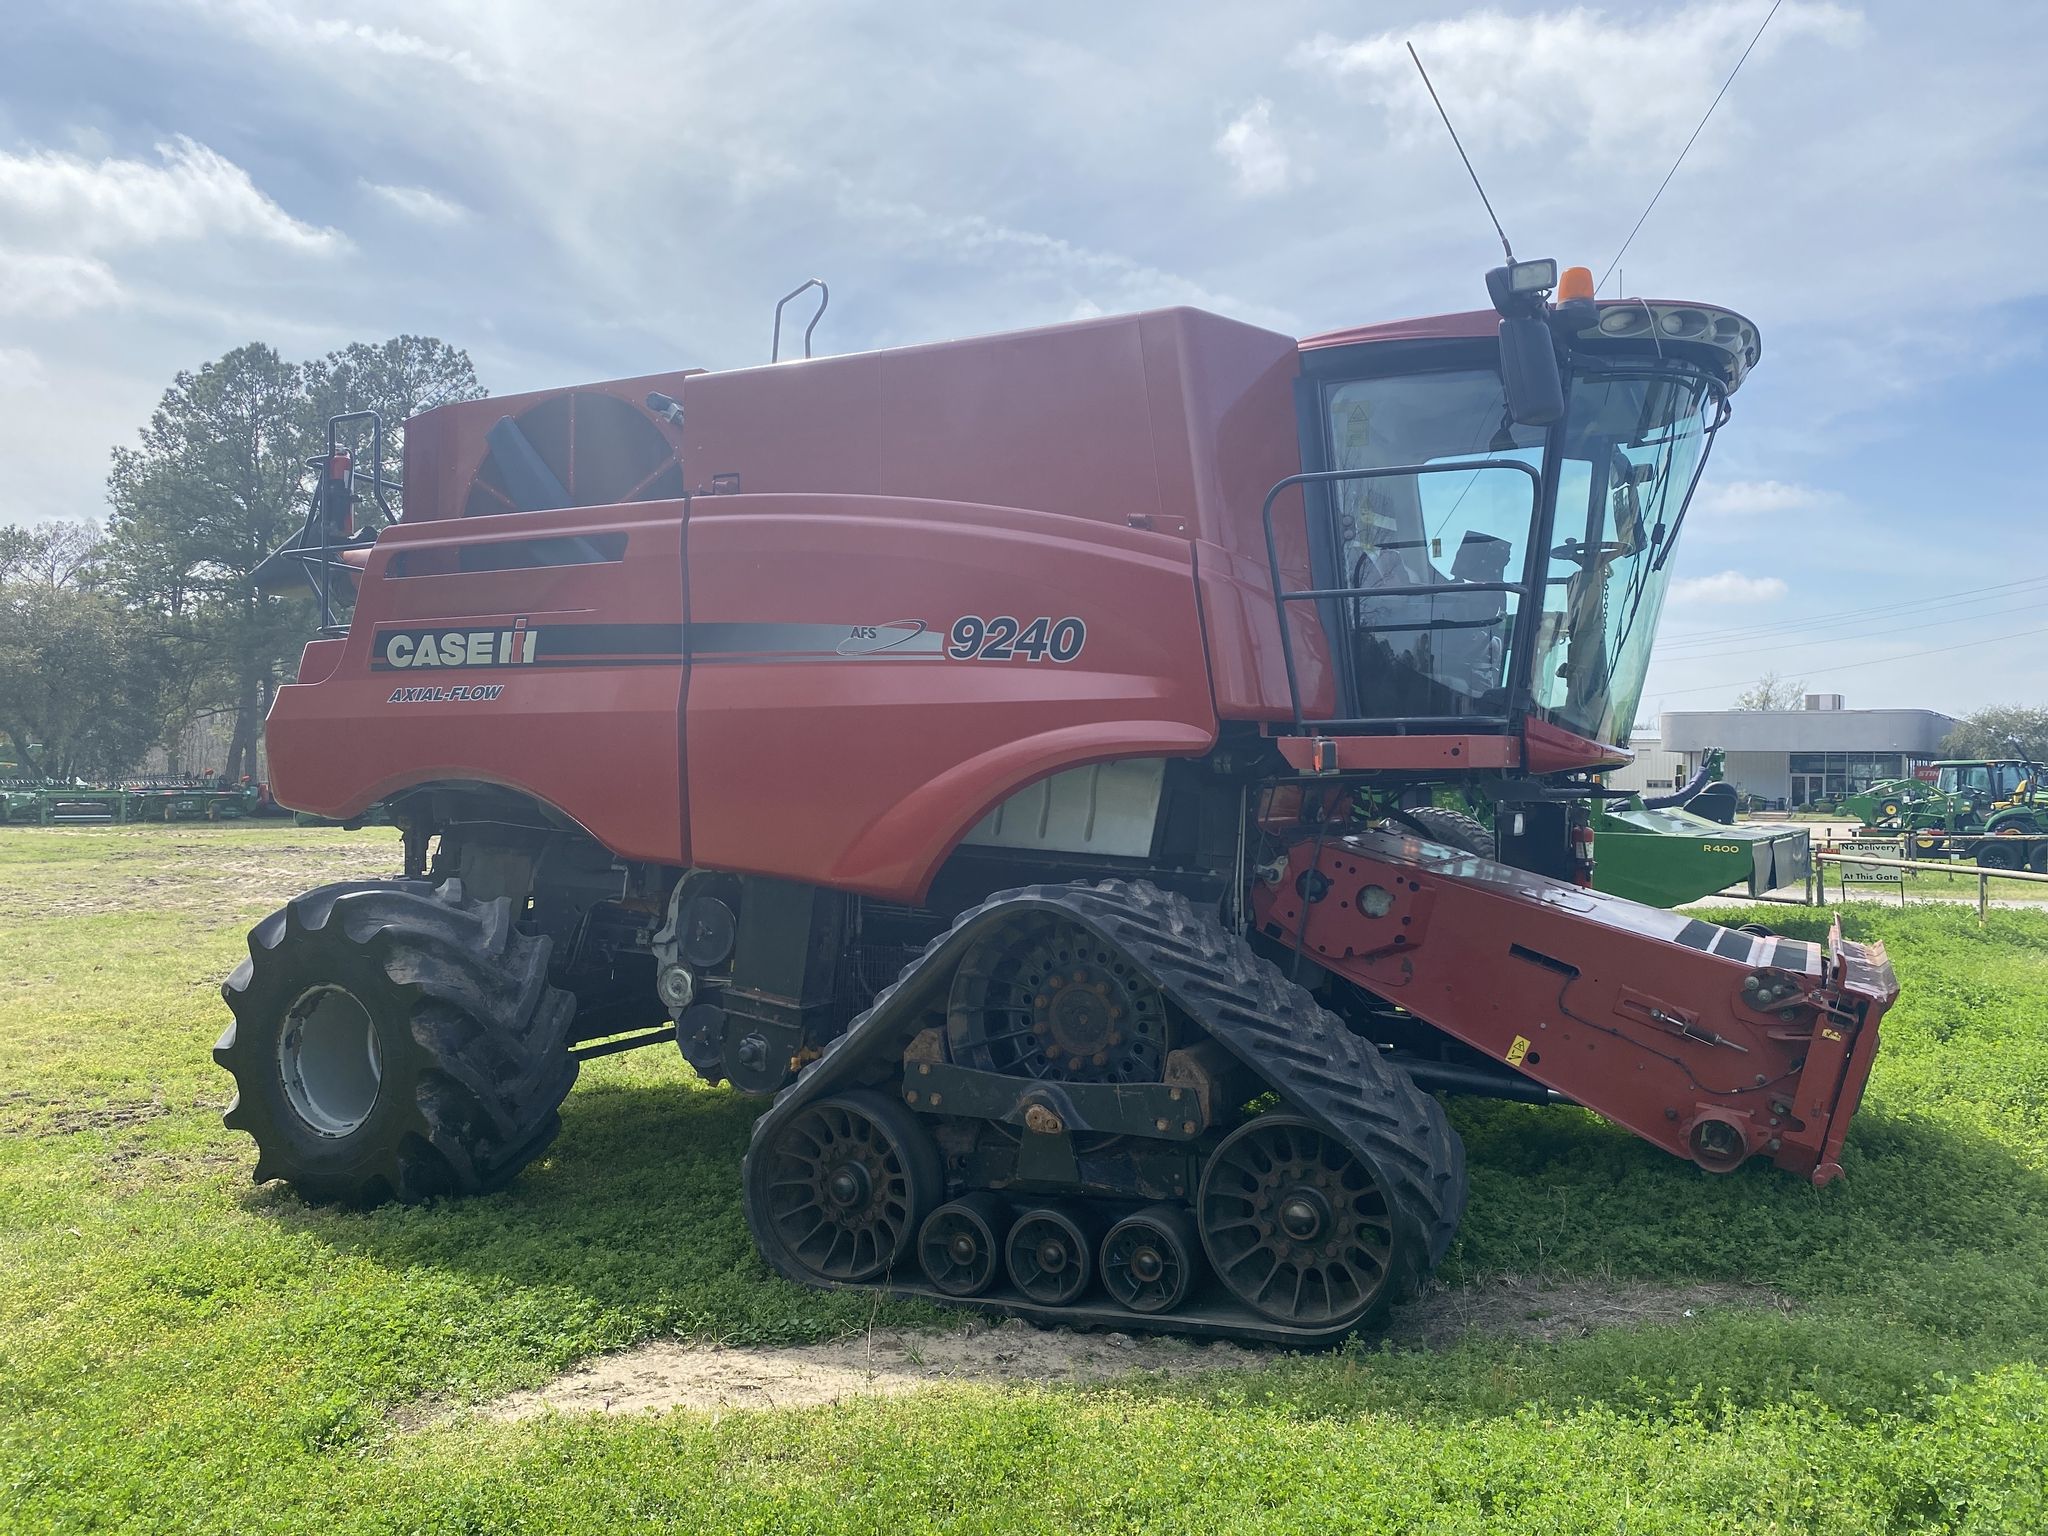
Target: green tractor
{"x":1969,"y":802}
{"x":1895,"y":805}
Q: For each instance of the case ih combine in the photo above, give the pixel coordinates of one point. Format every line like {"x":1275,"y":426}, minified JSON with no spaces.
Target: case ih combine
{"x":1016,"y":756}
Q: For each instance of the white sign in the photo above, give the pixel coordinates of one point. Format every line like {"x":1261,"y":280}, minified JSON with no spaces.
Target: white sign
{"x":1871,"y":848}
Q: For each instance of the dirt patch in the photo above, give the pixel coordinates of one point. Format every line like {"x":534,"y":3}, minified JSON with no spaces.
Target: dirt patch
{"x":890,"y":1361}
{"x":885,"y":1363}
{"x":196,"y":877}
{"x":103,"y":1117}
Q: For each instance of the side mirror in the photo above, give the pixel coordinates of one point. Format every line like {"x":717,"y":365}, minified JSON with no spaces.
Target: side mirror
{"x":1528,"y":367}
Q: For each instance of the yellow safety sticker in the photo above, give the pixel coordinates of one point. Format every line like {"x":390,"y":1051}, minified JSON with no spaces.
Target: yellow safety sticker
{"x":1518,"y":1050}
{"x":1830,"y":1034}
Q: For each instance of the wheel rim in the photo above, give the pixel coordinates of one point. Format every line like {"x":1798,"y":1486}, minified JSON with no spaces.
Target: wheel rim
{"x":329,"y":1062}
{"x":1148,"y":1261}
{"x":846,"y":1187}
{"x":1043,"y":998}
{"x":1048,"y":1257}
{"x":1300,"y":1229}
{"x":960,"y":1246}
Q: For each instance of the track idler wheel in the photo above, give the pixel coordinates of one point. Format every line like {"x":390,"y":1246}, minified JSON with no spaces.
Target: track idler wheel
{"x":1301,"y":1229}
{"x":394,"y":1041}
{"x":844,"y":1188}
{"x":1150,"y":1259}
{"x":1041,"y":997}
{"x":1051,"y":1256}
{"x":961,"y":1243}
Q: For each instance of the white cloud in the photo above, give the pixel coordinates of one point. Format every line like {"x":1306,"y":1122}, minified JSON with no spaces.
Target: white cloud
{"x":1752,"y":498}
{"x":69,"y":204}
{"x":320,"y":37}
{"x":53,"y":286}
{"x":1253,"y":150}
{"x":1609,"y":85}
{"x":1728,"y":587}
{"x":1122,"y":283}
{"x":418,"y":203}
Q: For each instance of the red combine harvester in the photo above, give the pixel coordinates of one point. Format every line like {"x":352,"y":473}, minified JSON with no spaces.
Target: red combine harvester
{"x":1016,"y":755}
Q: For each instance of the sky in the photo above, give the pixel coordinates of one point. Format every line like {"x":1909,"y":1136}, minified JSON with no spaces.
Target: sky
{"x":614,"y":187}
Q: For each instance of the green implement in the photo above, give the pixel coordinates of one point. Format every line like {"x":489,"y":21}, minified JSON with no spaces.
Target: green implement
{"x":1669,"y":856}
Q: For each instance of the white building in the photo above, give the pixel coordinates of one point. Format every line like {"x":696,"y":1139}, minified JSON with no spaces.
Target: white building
{"x":1655,"y":771}
{"x":1793,"y":757}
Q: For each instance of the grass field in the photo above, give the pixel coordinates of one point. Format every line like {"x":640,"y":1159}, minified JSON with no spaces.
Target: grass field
{"x":182,"y":1351}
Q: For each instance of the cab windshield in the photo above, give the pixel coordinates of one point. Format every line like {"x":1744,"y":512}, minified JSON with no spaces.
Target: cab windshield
{"x":2000,"y":779}
{"x":1447,"y":561}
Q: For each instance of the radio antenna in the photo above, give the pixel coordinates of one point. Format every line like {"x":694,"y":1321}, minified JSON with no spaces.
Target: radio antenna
{"x":1440,"y":112}
{"x":1688,"y":143}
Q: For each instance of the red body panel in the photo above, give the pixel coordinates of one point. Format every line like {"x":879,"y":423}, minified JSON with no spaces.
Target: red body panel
{"x":1411,"y":754}
{"x":599,"y":739}
{"x":860,"y":762}
{"x":1176,"y":422}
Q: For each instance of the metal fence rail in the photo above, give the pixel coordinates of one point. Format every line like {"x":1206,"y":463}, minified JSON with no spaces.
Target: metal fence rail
{"x":1817,"y":880}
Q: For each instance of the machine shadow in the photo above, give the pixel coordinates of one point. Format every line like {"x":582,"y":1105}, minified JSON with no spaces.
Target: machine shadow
{"x":632,"y":1224}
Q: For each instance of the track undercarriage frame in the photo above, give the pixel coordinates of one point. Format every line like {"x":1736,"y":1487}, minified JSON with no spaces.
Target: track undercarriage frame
{"x":1713,"y":1043}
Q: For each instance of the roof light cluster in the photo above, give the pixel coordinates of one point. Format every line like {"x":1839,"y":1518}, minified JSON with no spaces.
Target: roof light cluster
{"x":1650,"y":320}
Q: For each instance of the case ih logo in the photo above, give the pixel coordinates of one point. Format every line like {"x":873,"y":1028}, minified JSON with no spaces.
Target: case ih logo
{"x":411,"y":649}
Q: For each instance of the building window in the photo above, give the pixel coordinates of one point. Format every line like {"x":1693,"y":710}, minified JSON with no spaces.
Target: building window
{"x":1843,"y":773}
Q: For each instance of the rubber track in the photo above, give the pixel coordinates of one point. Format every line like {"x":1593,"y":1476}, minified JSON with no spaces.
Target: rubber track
{"x":1317,"y":1065}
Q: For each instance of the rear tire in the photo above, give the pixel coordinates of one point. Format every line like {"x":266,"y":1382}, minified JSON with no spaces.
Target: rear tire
{"x":392,"y":1041}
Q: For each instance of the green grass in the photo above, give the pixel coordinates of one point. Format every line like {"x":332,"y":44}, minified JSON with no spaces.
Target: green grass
{"x":182,"y":1351}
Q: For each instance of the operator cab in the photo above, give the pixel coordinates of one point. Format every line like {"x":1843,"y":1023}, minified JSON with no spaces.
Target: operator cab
{"x":1988,"y":783}
{"x":1480,"y":566}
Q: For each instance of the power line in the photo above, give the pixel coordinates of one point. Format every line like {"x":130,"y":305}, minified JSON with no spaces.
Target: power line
{"x":1880,"y":661}
{"x":1871,"y":634}
{"x":1682,"y":153}
{"x":1843,"y":615}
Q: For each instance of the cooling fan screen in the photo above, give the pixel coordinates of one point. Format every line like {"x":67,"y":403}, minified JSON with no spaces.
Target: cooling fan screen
{"x":581,"y":449}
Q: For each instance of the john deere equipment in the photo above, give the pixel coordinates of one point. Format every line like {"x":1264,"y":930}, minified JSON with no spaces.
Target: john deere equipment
{"x":1989,"y":809}
{"x":1014,"y":756}
{"x":1670,"y":856}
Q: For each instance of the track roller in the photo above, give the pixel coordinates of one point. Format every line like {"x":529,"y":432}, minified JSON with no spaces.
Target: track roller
{"x":961,"y":1243}
{"x":845,"y":1187}
{"x":1051,"y":1256}
{"x":1300,"y":1228}
{"x":1150,"y":1259}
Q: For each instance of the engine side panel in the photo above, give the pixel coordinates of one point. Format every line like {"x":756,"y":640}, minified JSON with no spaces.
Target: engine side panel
{"x":839,"y":733}
{"x":563,"y":680}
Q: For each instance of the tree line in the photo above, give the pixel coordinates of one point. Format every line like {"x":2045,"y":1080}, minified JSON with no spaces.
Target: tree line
{"x":116,"y":634}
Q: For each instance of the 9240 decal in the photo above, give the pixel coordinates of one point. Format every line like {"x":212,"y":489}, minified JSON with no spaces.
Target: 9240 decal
{"x":1006,"y":639}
